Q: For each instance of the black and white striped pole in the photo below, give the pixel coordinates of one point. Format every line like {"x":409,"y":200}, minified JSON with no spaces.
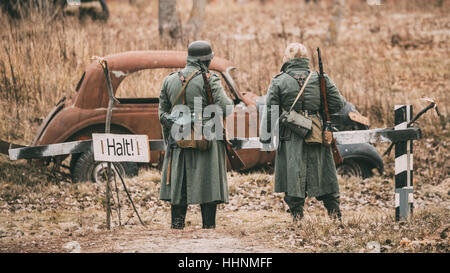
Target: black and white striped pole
{"x":403,"y":166}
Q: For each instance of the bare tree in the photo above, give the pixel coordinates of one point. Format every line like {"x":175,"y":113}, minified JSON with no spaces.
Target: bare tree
{"x":169,"y":21}
{"x":335,"y":23}
{"x":193,"y":26}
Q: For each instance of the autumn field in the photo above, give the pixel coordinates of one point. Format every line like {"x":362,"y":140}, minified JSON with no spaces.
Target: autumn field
{"x":395,"y":53}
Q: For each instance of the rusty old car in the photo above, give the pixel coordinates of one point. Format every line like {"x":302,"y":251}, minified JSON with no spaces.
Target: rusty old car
{"x":83,"y":113}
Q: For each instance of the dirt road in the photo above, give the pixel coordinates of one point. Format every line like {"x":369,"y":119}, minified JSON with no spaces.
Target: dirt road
{"x":174,"y":241}
{"x":143,"y":240}
{"x":43,"y":217}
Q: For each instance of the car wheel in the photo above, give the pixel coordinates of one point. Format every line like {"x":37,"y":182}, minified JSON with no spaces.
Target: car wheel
{"x":105,"y":10}
{"x":73,"y":161}
{"x":349,"y":168}
{"x":87,"y":169}
{"x":366,"y":170}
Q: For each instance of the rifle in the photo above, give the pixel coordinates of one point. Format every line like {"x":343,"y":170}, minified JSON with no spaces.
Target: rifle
{"x":171,"y":143}
{"x":328,"y":138}
{"x":235,"y":160}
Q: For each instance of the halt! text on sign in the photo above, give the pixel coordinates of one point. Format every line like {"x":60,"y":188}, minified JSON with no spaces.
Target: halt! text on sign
{"x":118,"y":147}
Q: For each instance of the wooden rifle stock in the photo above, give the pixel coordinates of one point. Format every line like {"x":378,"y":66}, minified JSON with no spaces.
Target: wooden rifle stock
{"x":235,"y":160}
{"x":327,"y":131}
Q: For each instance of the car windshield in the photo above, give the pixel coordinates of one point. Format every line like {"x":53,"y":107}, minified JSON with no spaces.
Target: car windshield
{"x":147,"y":83}
{"x":143,"y":84}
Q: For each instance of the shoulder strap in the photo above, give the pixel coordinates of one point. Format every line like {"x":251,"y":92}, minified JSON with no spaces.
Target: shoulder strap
{"x":279,"y":74}
{"x":183,"y":88}
{"x":301,"y":90}
{"x":208,"y":88}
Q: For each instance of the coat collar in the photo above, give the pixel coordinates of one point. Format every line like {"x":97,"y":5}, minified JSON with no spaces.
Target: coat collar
{"x":195,"y":64}
{"x":295,"y":64}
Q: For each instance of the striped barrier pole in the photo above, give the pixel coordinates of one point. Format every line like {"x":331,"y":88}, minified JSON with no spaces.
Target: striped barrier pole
{"x":403,"y":166}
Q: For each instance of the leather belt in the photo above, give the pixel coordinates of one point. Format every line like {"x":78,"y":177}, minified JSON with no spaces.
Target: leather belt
{"x":308,"y":112}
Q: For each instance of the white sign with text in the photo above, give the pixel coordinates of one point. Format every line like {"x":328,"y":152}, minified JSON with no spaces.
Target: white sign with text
{"x":121,"y":148}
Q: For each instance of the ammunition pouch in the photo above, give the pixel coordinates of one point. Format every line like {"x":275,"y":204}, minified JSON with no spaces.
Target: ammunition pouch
{"x":202,"y":144}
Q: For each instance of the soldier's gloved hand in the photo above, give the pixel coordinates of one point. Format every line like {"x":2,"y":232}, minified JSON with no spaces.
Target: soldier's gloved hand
{"x":166,"y":122}
{"x":265,"y":141}
{"x":268,"y":144}
{"x":171,"y":142}
{"x":267,"y":147}
{"x":235,"y":144}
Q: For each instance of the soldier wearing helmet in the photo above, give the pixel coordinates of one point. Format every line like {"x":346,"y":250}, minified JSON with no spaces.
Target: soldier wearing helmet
{"x":189,"y":175}
{"x":302,"y":169}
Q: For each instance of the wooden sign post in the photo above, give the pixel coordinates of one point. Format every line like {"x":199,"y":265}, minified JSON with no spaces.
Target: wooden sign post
{"x":113,"y":148}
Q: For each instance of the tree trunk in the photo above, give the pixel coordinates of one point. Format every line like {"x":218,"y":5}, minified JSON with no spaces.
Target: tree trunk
{"x":193,"y":26}
{"x":333,"y":28}
{"x":169,"y":22}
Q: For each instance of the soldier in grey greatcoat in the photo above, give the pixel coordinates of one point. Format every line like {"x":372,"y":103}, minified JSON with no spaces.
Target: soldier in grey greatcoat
{"x":302,"y":169}
{"x":195,"y":176}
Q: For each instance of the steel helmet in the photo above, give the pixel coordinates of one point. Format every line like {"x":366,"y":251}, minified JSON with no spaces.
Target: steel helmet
{"x":200,"y":50}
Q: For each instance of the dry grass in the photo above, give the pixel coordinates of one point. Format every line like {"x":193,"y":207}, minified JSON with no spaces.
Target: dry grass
{"x":41,"y":217}
{"x":387,"y":55}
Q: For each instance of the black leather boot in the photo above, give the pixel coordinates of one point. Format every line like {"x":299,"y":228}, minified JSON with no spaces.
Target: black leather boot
{"x":297,"y":214}
{"x":331,"y":203}
{"x":178,"y":216}
{"x":209,"y":215}
{"x":295,"y":205}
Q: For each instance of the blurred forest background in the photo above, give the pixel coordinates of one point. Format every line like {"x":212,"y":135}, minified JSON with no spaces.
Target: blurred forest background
{"x":378,"y":55}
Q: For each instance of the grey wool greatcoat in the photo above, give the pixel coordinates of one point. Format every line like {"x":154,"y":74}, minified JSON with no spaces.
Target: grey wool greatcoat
{"x":205,"y":172}
{"x":301,"y":169}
